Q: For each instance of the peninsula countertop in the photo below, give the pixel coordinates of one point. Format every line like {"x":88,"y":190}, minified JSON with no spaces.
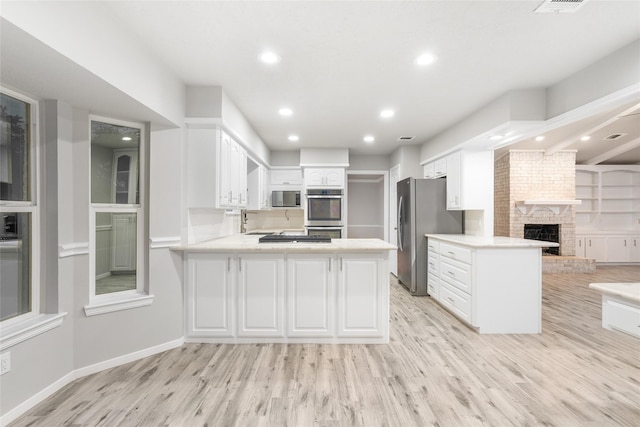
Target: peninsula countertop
{"x":249,"y":243}
{"x":492,"y":241}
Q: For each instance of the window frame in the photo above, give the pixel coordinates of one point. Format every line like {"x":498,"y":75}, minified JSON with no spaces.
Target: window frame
{"x":32,"y":206}
{"x":140,"y":296}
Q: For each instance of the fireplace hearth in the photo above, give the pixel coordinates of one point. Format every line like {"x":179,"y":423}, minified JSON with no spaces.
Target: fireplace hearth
{"x":544,"y":232}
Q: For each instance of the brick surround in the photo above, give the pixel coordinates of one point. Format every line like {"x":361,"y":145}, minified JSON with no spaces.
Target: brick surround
{"x":531,"y":174}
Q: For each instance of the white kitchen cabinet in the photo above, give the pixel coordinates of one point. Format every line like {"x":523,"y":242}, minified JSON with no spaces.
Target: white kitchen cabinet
{"x":260,"y":295}
{"x":311,"y":295}
{"x":210,"y":295}
{"x":634,"y":249}
{"x":324,"y":177}
{"x":286,"y":177}
{"x":125,"y":177}
{"x":595,"y":247}
{"x":619,"y":249}
{"x":429,"y":171}
{"x":123,"y":241}
{"x":493,"y":288}
{"x":469,"y":179}
{"x":257,"y":187}
{"x":580,"y":246}
{"x":361,"y":303}
{"x":217,"y":172}
{"x":440,"y":168}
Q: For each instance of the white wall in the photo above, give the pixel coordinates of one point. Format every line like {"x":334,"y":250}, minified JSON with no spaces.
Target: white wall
{"x":368,"y":162}
{"x":408,"y":158}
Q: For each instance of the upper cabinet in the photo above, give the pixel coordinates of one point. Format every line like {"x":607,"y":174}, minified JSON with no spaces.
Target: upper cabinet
{"x":469,"y":178}
{"x":217,"y":172}
{"x":286,"y":177}
{"x":324,"y":177}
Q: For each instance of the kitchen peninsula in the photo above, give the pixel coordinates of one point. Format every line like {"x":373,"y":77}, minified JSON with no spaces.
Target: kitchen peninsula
{"x":238,"y":290}
{"x":493,"y":284}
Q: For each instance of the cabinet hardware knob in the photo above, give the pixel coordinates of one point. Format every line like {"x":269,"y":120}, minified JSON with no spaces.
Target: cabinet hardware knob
{"x":451,"y":299}
{"x":451,"y":273}
{"x":451,"y":253}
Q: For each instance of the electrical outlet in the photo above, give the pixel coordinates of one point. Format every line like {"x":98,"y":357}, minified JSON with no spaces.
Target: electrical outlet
{"x":5,"y":363}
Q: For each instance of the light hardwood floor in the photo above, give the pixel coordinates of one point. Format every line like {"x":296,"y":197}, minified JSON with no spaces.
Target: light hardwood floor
{"x":435,"y":371}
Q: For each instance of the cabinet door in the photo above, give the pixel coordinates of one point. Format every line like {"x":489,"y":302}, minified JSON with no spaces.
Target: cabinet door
{"x":334,"y":177}
{"x":260,"y":295}
{"x":454,"y":182}
{"x":123,"y":238}
{"x":241,"y":176}
{"x":314,"y":177}
{"x":595,"y":247}
{"x":580,"y":247}
{"x":619,"y":249}
{"x":223,"y":167}
{"x":209,"y":296}
{"x":429,"y":170}
{"x":634,"y":250}
{"x":264,"y":187}
{"x":440,"y":168}
{"x":310,"y":295}
{"x":362,"y":308}
{"x":286,"y":177}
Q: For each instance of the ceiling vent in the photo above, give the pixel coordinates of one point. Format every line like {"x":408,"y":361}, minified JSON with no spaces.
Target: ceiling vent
{"x":406,"y":138}
{"x":560,"y":6}
{"x":614,"y":136}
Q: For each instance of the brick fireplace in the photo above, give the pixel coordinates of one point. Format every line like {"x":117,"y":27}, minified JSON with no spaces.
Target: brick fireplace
{"x":533,"y":175}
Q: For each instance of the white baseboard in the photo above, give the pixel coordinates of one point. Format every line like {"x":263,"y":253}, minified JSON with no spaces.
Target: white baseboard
{"x":22,"y":408}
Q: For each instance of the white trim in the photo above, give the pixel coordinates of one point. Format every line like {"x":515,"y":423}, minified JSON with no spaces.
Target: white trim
{"x":34,"y":326}
{"x":25,"y":406}
{"x":111,"y":304}
{"x":71,"y":249}
{"x":164,"y":242}
{"x":323,"y":165}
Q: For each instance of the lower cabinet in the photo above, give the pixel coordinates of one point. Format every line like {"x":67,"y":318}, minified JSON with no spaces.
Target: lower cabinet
{"x":297,"y":296}
{"x":311,"y":295}
{"x":260,"y":295}
{"x":609,"y":248}
{"x":361,"y":306}
{"x":209,"y":295}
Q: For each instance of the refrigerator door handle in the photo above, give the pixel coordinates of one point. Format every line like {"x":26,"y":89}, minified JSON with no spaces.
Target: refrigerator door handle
{"x":400,"y":221}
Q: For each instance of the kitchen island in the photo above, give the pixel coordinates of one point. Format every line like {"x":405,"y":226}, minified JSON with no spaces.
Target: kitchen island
{"x":238,"y":290}
{"x":493,"y":284}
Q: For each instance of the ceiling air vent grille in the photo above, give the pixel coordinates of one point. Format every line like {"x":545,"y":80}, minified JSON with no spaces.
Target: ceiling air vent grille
{"x":406,"y":138}
{"x":560,"y":6}
{"x":614,"y":136}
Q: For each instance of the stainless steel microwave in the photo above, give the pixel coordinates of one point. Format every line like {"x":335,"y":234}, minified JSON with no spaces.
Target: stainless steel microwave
{"x":285,"y":199}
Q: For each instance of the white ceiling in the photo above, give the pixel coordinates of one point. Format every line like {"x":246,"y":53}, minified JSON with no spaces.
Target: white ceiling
{"x":344,"y":61}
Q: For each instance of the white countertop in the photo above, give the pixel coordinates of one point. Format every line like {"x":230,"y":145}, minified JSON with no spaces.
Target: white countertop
{"x":492,"y":241}
{"x":630,"y":291}
{"x":247,"y":243}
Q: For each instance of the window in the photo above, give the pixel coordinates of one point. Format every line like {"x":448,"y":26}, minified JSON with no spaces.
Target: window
{"x":117,"y":213}
{"x":18,"y":209}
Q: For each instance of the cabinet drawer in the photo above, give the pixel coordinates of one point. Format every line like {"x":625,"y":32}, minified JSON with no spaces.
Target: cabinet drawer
{"x":433,"y":246}
{"x":457,"y":274}
{"x":457,"y":302}
{"x":455,"y":252}
{"x":433,"y":286}
{"x":433,"y":263}
{"x":623,"y":317}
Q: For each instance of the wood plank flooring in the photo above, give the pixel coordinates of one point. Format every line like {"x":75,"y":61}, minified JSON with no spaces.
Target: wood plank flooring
{"x":434,"y":372}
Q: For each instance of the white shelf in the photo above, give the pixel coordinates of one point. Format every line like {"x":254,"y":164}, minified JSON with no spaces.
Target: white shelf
{"x":528,"y":206}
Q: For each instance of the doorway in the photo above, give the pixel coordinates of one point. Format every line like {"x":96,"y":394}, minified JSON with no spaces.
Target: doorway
{"x":367,"y":201}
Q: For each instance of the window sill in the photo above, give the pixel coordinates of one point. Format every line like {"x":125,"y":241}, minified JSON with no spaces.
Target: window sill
{"x":22,"y":331}
{"x":117,"y":303}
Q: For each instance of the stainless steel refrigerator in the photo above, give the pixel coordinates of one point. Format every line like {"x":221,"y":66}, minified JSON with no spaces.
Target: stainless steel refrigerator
{"x":422,"y":210}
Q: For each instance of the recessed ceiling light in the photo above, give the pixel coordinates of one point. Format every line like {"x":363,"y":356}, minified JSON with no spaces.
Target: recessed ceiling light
{"x":496,"y":137}
{"x":585,"y":138}
{"x":425,"y":59}
{"x":285,"y":111}
{"x":126,"y":138}
{"x":369,"y":139}
{"x":539,"y":138}
{"x":294,"y":138}
{"x":269,"y":58}
{"x":387,"y":113}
